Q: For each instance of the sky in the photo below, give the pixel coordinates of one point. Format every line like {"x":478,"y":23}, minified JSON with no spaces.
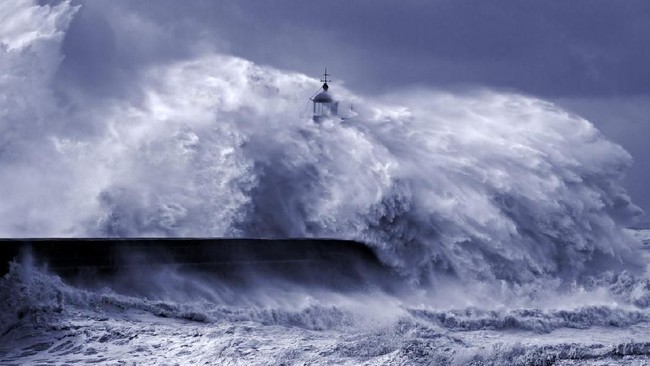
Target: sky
{"x":588,"y":56}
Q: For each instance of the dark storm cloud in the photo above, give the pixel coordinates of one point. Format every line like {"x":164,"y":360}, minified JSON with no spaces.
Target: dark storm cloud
{"x":547,"y":48}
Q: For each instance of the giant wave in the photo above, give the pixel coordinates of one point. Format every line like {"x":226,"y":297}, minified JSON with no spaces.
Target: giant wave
{"x":481,"y":185}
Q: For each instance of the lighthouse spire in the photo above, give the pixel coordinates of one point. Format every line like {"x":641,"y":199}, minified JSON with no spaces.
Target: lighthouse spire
{"x":325,"y":80}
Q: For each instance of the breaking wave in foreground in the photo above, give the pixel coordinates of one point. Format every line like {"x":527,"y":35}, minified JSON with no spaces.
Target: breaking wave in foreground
{"x":503,"y":214}
{"x":45,"y":319}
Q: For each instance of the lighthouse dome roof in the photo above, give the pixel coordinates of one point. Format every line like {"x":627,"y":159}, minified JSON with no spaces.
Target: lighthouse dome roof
{"x":323,"y":97}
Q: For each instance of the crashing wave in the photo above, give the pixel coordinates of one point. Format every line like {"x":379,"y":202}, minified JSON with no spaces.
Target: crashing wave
{"x":485,"y":185}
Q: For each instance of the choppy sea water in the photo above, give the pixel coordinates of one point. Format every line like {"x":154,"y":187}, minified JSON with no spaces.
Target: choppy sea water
{"x":194,"y":321}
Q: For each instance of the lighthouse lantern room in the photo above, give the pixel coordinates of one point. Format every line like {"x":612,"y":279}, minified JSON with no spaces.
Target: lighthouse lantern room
{"x":324,"y":104}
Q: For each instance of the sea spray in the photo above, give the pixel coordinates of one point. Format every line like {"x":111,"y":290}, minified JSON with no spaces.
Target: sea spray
{"x":481,"y":186}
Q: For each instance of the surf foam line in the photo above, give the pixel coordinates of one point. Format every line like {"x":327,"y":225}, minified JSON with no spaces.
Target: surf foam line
{"x":36,"y":298}
{"x":41,"y":315}
{"x":480,"y":186}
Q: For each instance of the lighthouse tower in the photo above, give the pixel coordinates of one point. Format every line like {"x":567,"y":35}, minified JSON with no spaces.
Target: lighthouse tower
{"x":324,"y":104}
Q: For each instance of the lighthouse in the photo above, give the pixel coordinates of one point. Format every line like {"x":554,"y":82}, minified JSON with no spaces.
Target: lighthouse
{"x":324,"y":104}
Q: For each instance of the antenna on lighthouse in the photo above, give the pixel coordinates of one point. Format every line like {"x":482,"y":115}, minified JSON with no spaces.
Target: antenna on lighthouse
{"x":325,"y":80}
